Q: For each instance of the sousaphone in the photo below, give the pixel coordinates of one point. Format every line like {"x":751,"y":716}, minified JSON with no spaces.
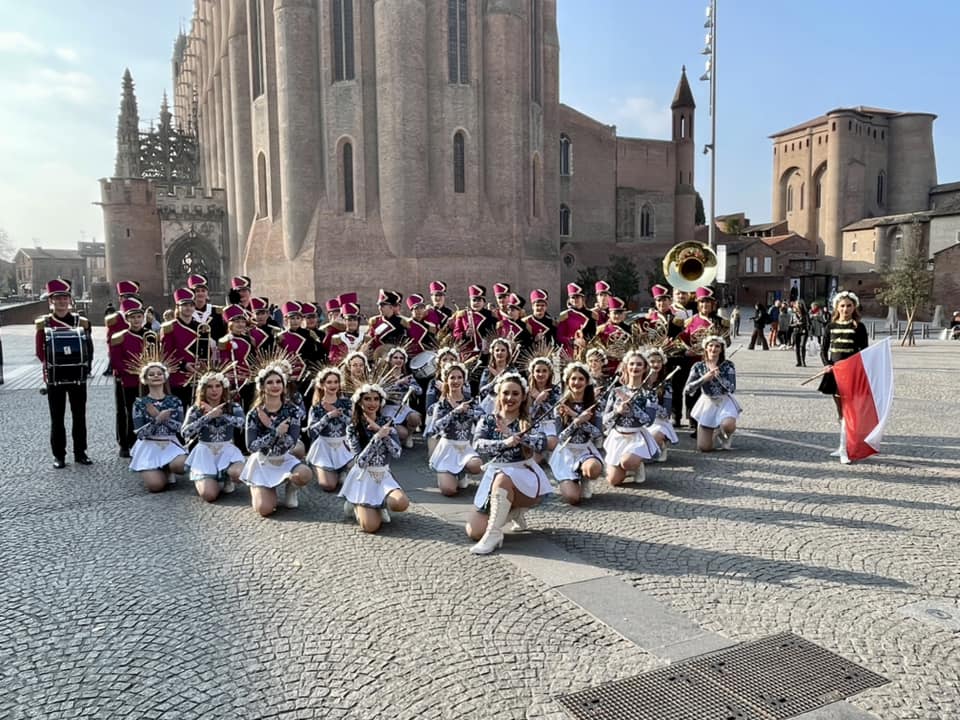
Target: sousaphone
{"x":690,"y":265}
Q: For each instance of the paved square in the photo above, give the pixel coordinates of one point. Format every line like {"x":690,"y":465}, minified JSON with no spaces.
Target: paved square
{"x":118,"y":604}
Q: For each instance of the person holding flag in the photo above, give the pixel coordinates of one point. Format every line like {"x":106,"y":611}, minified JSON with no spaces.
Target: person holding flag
{"x":862,"y":401}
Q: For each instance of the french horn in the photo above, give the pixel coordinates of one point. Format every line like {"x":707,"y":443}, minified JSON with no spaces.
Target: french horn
{"x":690,"y":265}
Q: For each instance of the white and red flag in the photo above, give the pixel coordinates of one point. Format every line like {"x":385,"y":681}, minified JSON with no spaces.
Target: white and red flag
{"x":865,"y":386}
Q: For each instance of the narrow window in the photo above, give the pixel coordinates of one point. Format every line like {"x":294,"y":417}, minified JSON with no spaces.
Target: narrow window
{"x":565,"y":150}
{"x":457,"y":41}
{"x":564,"y":221}
{"x":256,"y":48}
{"x":789,"y":198}
{"x":261,"y":185}
{"x":819,"y":193}
{"x":646,"y":222}
{"x":683,"y":126}
{"x":535,"y":51}
{"x":880,"y":188}
{"x":767,"y":264}
{"x":459,"y":181}
{"x":347,"y":177}
{"x":803,"y":190}
{"x":343,"y":40}
{"x":853,"y":246}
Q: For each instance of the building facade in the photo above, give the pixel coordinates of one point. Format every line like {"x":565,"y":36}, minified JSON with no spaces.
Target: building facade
{"x":337,"y":152}
{"x":850,"y":164}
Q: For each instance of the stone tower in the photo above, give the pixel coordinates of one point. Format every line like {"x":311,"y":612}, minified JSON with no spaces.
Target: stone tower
{"x":685,"y":197}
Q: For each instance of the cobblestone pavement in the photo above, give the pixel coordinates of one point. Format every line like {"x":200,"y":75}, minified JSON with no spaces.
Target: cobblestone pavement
{"x":119,"y":604}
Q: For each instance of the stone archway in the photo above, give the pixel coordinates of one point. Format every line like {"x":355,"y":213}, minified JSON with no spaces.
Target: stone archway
{"x":192,"y":254}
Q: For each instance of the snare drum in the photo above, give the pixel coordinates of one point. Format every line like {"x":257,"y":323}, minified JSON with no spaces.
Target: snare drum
{"x":424,"y":365}
{"x":68,"y":360}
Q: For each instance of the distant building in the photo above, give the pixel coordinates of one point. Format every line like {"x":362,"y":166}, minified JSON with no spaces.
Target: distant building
{"x":36,"y":266}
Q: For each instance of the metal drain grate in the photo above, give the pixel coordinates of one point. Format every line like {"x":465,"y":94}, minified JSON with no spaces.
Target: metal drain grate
{"x":781,"y":676}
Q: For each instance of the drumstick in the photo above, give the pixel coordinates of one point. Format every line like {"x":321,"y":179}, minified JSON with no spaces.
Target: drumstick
{"x":827,"y":369}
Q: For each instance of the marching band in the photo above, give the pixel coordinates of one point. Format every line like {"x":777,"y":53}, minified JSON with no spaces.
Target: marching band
{"x":225,"y":396}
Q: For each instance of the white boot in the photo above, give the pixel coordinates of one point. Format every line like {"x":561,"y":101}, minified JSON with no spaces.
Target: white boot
{"x":463,"y":480}
{"x":662,"y":456}
{"x":640,"y":474}
{"x":586,"y":489}
{"x":499,"y":510}
{"x":348,"y":509}
{"x":842,"y":450}
{"x":291,"y":498}
{"x":408,"y":443}
{"x":519,"y":522}
{"x":384,"y":515}
{"x":229,"y":486}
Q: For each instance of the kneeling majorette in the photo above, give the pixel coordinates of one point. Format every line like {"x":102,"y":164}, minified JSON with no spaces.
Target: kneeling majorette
{"x":717,"y":410}
{"x":629,"y":411}
{"x":576,"y":460}
{"x":370,"y":490}
{"x":215,"y":461}
{"x":157,"y":454}
{"x":452,"y":420}
{"x":329,"y":452}
{"x":512,"y":478}
{"x":544,"y":396}
{"x":501,"y":363}
{"x":659,"y":384}
{"x":445,"y":357}
{"x":272,"y":432}
{"x":406,"y":419}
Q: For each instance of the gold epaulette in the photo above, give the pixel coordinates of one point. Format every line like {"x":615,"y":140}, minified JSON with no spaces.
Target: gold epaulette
{"x":84,"y":322}
{"x":165,"y":327}
{"x":111,"y":319}
{"x":41,"y":322}
{"x":118,"y":337}
{"x":563,"y":315}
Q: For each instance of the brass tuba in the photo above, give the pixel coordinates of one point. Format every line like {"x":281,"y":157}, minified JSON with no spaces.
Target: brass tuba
{"x":690,"y":265}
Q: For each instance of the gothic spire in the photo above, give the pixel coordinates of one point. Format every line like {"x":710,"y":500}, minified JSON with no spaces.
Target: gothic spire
{"x":128,"y":132}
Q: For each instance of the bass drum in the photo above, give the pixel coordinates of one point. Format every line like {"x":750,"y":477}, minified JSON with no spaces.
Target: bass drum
{"x":424,"y":365}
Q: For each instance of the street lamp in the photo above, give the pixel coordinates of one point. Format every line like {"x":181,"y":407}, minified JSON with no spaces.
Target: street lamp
{"x":710,"y":75}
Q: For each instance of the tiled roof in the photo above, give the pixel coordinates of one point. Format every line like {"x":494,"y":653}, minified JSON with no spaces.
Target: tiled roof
{"x":683,"y":97}
{"x":41,"y":253}
{"x":867,"y":223}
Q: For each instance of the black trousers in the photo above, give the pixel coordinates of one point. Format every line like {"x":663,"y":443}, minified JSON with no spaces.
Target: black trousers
{"x":124,"y":398}
{"x":800,"y":346}
{"x":758,"y":335}
{"x":57,"y":396}
{"x":677,"y":384}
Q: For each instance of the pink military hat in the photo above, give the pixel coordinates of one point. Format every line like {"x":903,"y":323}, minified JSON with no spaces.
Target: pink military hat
{"x":438,"y":287}
{"x":232,"y":312}
{"x":349,"y":297}
{"x":501,"y":289}
{"x":239,"y":282}
{"x":308,"y":309}
{"x":332,"y":305}
{"x":259,"y":303}
{"x":574,"y":289}
{"x":659,"y":291}
{"x":349,"y":310}
{"x":704,"y":293}
{"x":195,"y":281}
{"x":128,"y":287}
{"x":539,"y":295}
{"x":615,"y":303}
{"x":182,"y":295}
{"x":414,"y":300}
{"x":291,"y":307}
{"x":58,"y":287}
{"x":476,"y":291}
{"x":130,"y":305}
{"x":601,"y":286}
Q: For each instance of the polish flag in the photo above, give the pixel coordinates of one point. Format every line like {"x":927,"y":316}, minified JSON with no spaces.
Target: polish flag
{"x":865,"y":386}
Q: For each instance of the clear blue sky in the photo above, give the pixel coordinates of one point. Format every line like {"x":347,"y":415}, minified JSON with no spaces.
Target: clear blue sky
{"x":61,"y":62}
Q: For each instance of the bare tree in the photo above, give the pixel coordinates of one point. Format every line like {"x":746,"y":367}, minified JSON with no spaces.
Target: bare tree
{"x":7,"y":249}
{"x":909,"y":283}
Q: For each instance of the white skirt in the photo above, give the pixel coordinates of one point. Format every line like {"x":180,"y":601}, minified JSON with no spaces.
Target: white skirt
{"x":329,"y":453}
{"x":401,"y":412}
{"x":665,"y":428}
{"x":209,"y":459}
{"x":264,"y":471}
{"x":548,"y":427}
{"x":527,"y":478}
{"x":369,"y":487}
{"x":711,"y":411}
{"x":566,"y":460}
{"x":154,"y":454}
{"x":635,"y":441}
{"x":451,"y":456}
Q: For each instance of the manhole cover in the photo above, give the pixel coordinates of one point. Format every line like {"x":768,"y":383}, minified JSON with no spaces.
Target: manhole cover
{"x":781,"y":676}
{"x":940,"y":612}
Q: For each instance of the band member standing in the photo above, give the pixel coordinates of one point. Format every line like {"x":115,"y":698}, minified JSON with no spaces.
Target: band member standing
{"x":204,"y":312}
{"x":682,"y":305}
{"x":421,"y":333}
{"x":575,"y":324}
{"x":471,"y":324}
{"x":438,"y":313}
{"x":240,"y":292}
{"x":501,"y":293}
{"x":263,"y":331}
{"x":601,"y":308}
{"x":58,"y":391}
{"x":512,"y":326}
{"x":181,"y":342}
{"x":539,"y":324}
{"x":387,"y":327}
{"x":332,"y":326}
{"x":115,"y":322}
{"x":126,"y":347}
{"x":843,"y":337}
{"x":236,"y":349}
{"x":290,"y":340}
{"x":352,"y":337}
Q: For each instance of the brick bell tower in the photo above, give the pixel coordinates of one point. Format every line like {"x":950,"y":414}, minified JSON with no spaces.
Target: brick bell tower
{"x":683,"y":109}
{"x":131,"y":226}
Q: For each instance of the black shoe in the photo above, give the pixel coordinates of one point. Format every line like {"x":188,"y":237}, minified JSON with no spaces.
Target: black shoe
{"x":694,"y":434}
{"x":59,"y":464}
{"x":124,"y":453}
{"x":83,"y":459}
